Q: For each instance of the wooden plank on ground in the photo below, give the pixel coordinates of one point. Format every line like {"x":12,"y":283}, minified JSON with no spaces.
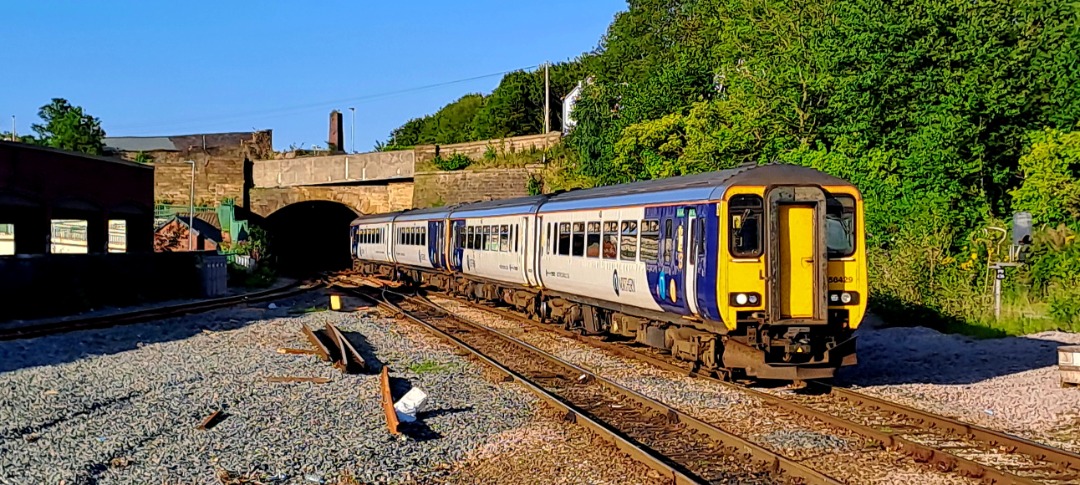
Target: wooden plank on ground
{"x":210,"y":420}
{"x":388,"y":402}
{"x":320,"y":347}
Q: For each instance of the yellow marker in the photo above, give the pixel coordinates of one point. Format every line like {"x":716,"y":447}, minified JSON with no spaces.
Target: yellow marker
{"x":335,"y":302}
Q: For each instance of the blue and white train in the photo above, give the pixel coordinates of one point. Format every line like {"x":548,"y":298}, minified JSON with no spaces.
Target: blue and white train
{"x":754,"y":271}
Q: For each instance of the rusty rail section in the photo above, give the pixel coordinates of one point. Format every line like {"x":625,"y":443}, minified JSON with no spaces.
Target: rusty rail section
{"x":690,"y":432}
{"x":388,"y":402}
{"x":348,"y":358}
{"x":1064,"y":462}
{"x":150,"y":314}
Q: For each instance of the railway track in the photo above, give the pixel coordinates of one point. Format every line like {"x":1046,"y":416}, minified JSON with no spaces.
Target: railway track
{"x":947,"y":444}
{"x":682,"y":448}
{"x":104,"y":321}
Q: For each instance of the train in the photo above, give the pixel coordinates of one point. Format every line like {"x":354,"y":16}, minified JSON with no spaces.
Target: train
{"x":756,"y":272}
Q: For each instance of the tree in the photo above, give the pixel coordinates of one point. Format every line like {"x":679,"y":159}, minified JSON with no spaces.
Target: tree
{"x":67,"y":127}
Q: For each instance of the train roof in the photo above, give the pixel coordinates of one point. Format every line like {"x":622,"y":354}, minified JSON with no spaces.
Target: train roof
{"x":687,"y":188}
{"x":501,"y":207}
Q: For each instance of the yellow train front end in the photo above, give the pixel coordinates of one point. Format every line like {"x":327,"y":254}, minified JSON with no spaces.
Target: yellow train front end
{"x":792,"y":279}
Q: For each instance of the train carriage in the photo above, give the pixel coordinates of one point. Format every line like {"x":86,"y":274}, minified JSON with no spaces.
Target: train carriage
{"x":754,"y":270}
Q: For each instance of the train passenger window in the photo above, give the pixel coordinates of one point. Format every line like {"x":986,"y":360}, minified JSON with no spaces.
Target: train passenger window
{"x":628,"y":248}
{"x":744,"y":225}
{"x":564,"y":239}
{"x":514,"y":236}
{"x":592,"y":240}
{"x":840,"y":226}
{"x":650,"y":241}
{"x":611,"y":240}
{"x":546,"y":243}
{"x":579,"y":239}
{"x":669,"y":245}
{"x":504,"y":238}
{"x":459,"y":237}
{"x":699,"y":233}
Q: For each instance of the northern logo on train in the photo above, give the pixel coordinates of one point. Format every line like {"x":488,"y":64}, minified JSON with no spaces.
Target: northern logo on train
{"x":615,"y":281}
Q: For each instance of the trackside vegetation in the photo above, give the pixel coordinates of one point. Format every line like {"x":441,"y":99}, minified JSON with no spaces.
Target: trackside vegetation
{"x":949,"y":115}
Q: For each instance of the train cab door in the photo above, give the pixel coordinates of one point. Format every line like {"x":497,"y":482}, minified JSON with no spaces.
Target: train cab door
{"x":797,"y":259}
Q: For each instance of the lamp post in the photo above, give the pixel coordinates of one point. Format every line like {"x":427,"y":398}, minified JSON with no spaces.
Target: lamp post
{"x":352,"y":131}
{"x":191,"y":210}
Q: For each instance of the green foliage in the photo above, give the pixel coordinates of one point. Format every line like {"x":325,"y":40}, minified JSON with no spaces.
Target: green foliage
{"x":28,"y":139}
{"x":263,"y":276}
{"x":535,"y":186}
{"x":67,"y":127}
{"x":490,"y":153}
{"x":143,"y":157}
{"x":515,"y":107}
{"x":456,"y":161}
{"x":1050,"y":190}
{"x":430,"y":366}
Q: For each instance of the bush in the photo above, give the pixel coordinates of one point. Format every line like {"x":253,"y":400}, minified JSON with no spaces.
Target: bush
{"x":456,"y":161}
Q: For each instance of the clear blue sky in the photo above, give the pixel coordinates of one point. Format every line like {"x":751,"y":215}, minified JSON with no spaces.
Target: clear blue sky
{"x":151,"y":68}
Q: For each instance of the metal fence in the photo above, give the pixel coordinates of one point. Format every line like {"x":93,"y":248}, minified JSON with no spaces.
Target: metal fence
{"x":165,"y":211}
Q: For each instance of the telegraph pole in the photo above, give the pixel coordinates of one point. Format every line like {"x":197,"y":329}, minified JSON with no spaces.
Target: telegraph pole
{"x":352,"y":128}
{"x":547,"y":100}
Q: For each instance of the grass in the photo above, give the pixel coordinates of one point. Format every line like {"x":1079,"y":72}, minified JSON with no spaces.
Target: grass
{"x":310,"y":309}
{"x":429,"y":366}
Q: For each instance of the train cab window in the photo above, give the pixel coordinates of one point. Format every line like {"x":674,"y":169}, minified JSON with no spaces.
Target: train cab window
{"x":563,"y":247}
{"x":744,"y":225}
{"x":504,"y":238}
{"x":423,"y":236}
{"x":459,"y":236}
{"x":628,"y":247}
{"x":611,"y":240}
{"x":669,"y":245}
{"x":840,"y":226}
{"x":514,"y":236}
{"x":579,"y":239}
{"x":592,"y":240}
{"x":650,"y":241}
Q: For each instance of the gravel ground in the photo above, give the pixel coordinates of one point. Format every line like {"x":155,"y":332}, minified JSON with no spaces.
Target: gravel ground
{"x":841,"y":454}
{"x":1011,"y":384}
{"x":121,"y":405}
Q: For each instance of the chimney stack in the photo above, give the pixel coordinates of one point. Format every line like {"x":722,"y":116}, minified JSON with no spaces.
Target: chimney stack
{"x":337,"y":133}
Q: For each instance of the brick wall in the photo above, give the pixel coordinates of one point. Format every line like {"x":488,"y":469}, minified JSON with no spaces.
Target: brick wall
{"x":433,"y":189}
{"x":365,"y":199}
{"x":475,"y":150}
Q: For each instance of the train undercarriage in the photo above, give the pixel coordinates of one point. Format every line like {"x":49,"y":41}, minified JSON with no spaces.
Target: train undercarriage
{"x":755,"y":350}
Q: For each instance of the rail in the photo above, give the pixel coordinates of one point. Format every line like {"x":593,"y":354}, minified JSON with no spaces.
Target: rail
{"x":681,"y":447}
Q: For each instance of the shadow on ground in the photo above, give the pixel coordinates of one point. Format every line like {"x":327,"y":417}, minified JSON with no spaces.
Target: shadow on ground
{"x":72,"y":346}
{"x":921,"y":355}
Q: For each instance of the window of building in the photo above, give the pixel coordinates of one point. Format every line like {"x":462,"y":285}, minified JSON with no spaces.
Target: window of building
{"x":563,"y":247}
{"x":840,"y":226}
{"x":69,"y":236}
{"x":117,"y":235}
{"x":628,"y":248}
{"x":744,"y":225}
{"x":7,"y":239}
{"x":579,"y":239}
{"x":650,"y":240}
{"x":610,"y":238}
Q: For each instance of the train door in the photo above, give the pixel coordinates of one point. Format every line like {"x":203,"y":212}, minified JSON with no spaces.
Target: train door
{"x":526,"y":251}
{"x":797,"y":253}
{"x":457,"y":244}
{"x":436,"y":244}
{"x":693,"y":231}
{"x":671,"y":264}
{"x":796,"y":261}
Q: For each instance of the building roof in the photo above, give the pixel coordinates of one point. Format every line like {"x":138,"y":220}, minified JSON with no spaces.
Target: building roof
{"x":29,"y":146}
{"x":206,"y":224}
{"x":177,"y":143}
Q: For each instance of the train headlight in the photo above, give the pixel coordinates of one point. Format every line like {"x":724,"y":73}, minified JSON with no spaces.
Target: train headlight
{"x":843,"y":298}
{"x":744,"y":299}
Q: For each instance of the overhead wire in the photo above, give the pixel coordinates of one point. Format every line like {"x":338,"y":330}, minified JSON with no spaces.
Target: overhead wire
{"x":309,"y":106}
